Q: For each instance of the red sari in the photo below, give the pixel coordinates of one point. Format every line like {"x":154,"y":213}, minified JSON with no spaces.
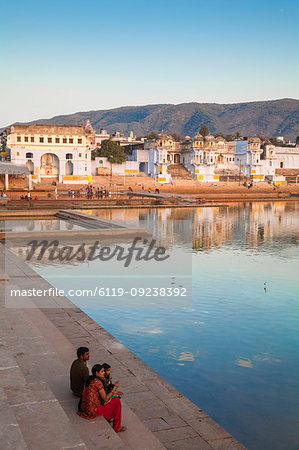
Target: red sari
{"x":91,"y":406}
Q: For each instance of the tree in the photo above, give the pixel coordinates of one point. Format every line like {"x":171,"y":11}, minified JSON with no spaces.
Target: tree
{"x":238,"y":135}
{"x":112,"y":151}
{"x":95,"y":153}
{"x":151,"y":135}
{"x":204,"y":131}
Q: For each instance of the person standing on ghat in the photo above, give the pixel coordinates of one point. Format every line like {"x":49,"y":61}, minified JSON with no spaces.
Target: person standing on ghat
{"x":79,"y":371}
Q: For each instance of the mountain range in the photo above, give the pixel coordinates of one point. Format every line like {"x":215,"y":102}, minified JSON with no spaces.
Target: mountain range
{"x":273,"y":117}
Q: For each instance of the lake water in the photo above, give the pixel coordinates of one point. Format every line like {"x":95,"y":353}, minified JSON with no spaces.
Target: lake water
{"x":235,"y":351}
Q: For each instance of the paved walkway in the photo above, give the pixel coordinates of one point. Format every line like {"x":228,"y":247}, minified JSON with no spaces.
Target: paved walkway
{"x":37,"y":408}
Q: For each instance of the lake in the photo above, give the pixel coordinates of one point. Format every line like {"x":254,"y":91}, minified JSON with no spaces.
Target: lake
{"x":235,"y":350}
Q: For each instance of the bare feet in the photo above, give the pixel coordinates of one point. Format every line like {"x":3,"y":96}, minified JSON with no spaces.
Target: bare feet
{"x":121,"y":429}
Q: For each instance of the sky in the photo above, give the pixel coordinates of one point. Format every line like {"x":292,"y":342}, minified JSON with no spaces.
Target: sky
{"x":65,"y":56}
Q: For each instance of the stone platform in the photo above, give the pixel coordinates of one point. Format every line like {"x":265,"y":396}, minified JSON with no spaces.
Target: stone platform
{"x":37,"y":347}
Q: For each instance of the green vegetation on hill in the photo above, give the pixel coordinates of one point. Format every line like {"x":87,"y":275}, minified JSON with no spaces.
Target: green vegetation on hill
{"x":274,"y":117}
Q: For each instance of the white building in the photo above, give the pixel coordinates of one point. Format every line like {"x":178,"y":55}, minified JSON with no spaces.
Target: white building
{"x":126,"y":168}
{"x":258,"y":164}
{"x":202,"y":157}
{"x":141,"y":156}
{"x":62,"y":152}
{"x":100,"y":137}
{"x":248,"y":158}
{"x":281,"y":157}
{"x":158,"y":161}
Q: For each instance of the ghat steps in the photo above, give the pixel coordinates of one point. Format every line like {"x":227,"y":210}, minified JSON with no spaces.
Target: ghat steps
{"x":179,"y":172}
{"x":38,"y":410}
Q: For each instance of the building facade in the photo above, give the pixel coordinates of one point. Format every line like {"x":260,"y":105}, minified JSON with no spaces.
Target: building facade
{"x":248,"y":158}
{"x":62,"y":152}
{"x":260,"y":160}
{"x":160,"y":152}
{"x":201,"y":156}
{"x":101,"y":166}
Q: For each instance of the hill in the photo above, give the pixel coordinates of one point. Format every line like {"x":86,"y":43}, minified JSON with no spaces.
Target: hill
{"x":274,"y":117}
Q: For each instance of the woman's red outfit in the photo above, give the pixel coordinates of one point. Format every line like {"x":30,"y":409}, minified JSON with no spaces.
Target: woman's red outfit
{"x":91,"y":406}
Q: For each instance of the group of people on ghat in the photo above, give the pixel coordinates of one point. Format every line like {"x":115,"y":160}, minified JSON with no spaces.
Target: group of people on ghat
{"x":28,"y":197}
{"x":91,"y":193}
{"x":98,"y":395}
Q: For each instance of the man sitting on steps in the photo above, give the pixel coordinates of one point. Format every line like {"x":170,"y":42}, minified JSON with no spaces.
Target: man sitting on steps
{"x":79,"y":371}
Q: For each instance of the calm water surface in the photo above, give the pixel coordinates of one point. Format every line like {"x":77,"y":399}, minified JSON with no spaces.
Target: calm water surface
{"x":235,"y":352}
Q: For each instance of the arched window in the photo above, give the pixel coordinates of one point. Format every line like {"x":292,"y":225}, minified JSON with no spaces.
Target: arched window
{"x":68,"y":156}
{"x":29,"y":155}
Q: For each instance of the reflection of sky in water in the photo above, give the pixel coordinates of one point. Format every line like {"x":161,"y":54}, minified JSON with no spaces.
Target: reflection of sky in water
{"x":235,"y":351}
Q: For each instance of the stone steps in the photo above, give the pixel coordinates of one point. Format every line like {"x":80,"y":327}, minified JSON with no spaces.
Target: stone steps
{"x":30,"y":398}
{"x":47,"y":405}
{"x":10,"y":433}
{"x":178,"y":171}
{"x":35,"y":389}
{"x":40,"y":346}
{"x":91,"y":431}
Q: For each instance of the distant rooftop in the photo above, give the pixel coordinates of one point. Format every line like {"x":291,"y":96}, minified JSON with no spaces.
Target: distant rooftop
{"x":42,"y":128}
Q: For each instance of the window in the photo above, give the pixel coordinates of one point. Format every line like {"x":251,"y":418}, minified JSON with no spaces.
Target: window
{"x":26,"y":138}
{"x":71,"y":140}
{"x":64,"y":140}
{"x":80,"y":154}
{"x":41,"y":139}
{"x":29,"y":155}
{"x":68,"y":156}
{"x":49,"y":140}
{"x":18,"y":138}
{"x":85,"y":169}
{"x":18,"y":153}
{"x":32,"y":139}
{"x":57,"y":140}
{"x":79,"y":141}
{"x":86,"y":156}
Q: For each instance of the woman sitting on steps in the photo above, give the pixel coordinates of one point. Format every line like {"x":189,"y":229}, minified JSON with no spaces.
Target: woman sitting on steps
{"x":95,"y":402}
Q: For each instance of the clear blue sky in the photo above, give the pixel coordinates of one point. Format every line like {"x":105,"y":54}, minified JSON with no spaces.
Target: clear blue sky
{"x":65,"y":56}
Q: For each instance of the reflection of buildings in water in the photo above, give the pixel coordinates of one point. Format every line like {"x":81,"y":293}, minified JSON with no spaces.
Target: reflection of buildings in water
{"x":49,"y":225}
{"x":167,"y":225}
{"x":39,"y":225}
{"x":272,"y":221}
{"x":171,"y":226}
{"x":253,"y":224}
{"x":210,"y":229}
